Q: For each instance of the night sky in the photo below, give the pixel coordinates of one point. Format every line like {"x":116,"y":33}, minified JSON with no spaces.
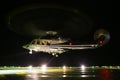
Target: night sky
{"x":100,"y":12}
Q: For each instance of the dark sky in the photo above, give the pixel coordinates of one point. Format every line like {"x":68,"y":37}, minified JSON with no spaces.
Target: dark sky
{"x":100,"y":12}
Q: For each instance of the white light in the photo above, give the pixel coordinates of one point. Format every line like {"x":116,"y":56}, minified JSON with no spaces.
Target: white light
{"x":64,"y":68}
{"x":30,"y":52}
{"x":82,"y":67}
{"x":56,"y":55}
{"x":30,"y":67}
{"x":43,"y":67}
{"x":64,"y":76}
{"x":83,"y":75}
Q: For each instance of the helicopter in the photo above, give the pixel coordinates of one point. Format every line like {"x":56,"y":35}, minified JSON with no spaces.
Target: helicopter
{"x":57,"y":46}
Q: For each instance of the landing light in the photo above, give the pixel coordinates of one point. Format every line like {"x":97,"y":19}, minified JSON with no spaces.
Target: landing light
{"x":30,"y":52}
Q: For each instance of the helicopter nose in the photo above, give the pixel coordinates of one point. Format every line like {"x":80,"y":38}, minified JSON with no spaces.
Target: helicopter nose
{"x":25,"y":46}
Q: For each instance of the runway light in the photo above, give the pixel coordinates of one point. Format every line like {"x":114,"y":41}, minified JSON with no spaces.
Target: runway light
{"x":82,"y":67}
{"x":43,"y":67}
{"x":64,"y":69}
{"x":118,"y":67}
{"x":93,"y":67}
{"x":30,"y":67}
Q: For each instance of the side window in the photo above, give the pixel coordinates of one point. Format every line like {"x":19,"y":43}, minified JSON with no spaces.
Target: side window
{"x":33,"y":42}
{"x":38,"y":42}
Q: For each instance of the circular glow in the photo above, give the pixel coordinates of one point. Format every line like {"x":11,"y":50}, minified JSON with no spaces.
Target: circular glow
{"x":43,"y":67}
{"x":64,"y":67}
{"x":39,"y":20}
{"x":82,"y":67}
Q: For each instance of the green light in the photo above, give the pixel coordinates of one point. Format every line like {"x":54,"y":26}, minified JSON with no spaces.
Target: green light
{"x":110,"y":67}
{"x":118,"y":67}
{"x":70,"y":67}
{"x":105,"y":66}
{"x":5,"y":66}
{"x":12,"y":66}
{"x":93,"y":75}
{"x":93,"y":67}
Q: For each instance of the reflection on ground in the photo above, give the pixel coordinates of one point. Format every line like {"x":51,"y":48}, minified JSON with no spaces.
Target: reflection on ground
{"x":60,"y":73}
